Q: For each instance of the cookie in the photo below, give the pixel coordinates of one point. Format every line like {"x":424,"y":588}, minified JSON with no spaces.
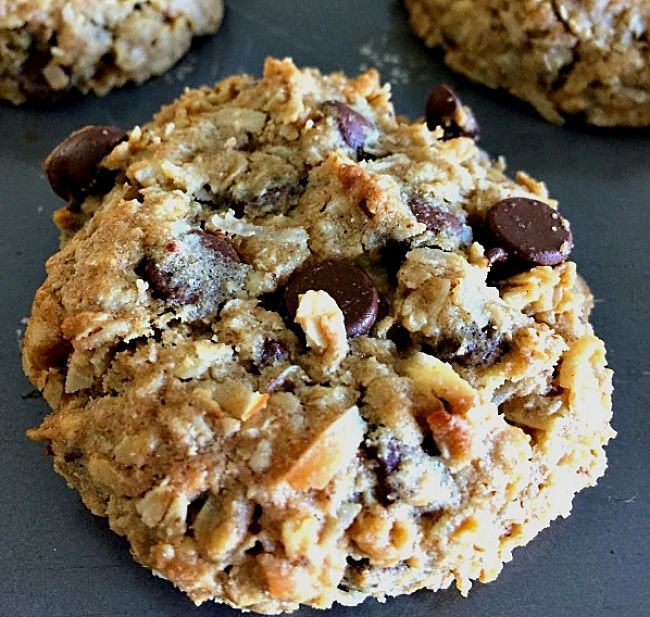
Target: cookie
{"x":49,"y":48}
{"x":588,"y":61}
{"x":300,"y":350}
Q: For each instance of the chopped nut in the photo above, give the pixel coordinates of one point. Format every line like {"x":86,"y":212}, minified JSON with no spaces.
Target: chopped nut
{"x":386,"y":539}
{"x":300,"y":535}
{"x":198,"y":357}
{"x":453,"y":436}
{"x":433,"y":377}
{"x":239,"y":401}
{"x":330,"y":452}
{"x":324,"y":326}
{"x":286,"y":581}
{"x":219,"y":528}
{"x":162,"y":505}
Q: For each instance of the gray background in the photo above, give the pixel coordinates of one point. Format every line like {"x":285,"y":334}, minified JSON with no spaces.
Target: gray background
{"x":57,"y":560}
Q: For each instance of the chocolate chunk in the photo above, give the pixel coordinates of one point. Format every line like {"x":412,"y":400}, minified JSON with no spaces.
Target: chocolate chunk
{"x":272,"y":350}
{"x":384,"y":459}
{"x":478,"y":347}
{"x":182,"y":276}
{"x":73,"y":166}
{"x":218,"y":243}
{"x":354,"y":127}
{"x":530,"y":230}
{"x":434,"y":218}
{"x":162,"y":283}
{"x":445,"y":109}
{"x":353,"y":290}
{"x":269,"y":197}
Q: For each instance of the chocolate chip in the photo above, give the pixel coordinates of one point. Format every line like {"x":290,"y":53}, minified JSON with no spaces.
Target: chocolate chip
{"x":162,"y":283}
{"x":354,"y":127}
{"x":434,"y":218}
{"x":73,"y":166}
{"x":531,"y":230}
{"x":477,"y":347}
{"x":267,"y":198}
{"x":183,"y":275}
{"x":353,"y":290}
{"x":272,"y":350}
{"x":384,"y":459}
{"x":218,"y":243}
{"x":445,"y":109}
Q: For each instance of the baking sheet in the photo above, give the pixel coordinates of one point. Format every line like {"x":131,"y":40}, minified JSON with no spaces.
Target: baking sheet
{"x":57,"y":560}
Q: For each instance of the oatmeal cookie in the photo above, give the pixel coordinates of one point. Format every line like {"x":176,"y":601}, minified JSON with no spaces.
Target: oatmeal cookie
{"x":49,"y":48}
{"x":588,"y":60}
{"x":300,"y":350}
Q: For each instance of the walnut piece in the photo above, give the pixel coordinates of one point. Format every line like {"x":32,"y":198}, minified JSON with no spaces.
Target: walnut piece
{"x":330,"y":452}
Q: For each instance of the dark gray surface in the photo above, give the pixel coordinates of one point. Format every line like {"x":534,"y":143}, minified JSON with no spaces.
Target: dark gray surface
{"x":57,"y":560}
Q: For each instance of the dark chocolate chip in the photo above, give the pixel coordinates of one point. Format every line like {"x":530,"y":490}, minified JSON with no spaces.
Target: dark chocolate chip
{"x":162,"y":283}
{"x":219,"y":244}
{"x":445,"y":109}
{"x":272,"y":350}
{"x":354,"y":127}
{"x":353,"y":290}
{"x":479,"y":348}
{"x":531,"y":230}
{"x":268,"y":197}
{"x":384,"y":459}
{"x":73,"y":166}
{"x":434,"y":218}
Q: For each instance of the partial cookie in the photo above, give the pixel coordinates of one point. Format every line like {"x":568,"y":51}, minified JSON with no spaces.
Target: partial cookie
{"x":587,"y":59}
{"x":51,"y":47}
{"x":300,"y":350}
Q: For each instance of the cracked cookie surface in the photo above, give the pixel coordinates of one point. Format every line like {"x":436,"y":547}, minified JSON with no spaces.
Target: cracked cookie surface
{"x":586,"y":59}
{"x":294,"y":359}
{"x":50,"y":48}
